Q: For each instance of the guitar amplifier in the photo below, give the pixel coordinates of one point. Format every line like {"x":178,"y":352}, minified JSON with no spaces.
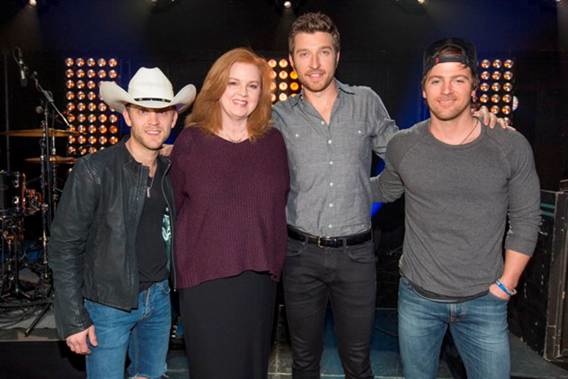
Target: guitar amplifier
{"x":538,"y":314}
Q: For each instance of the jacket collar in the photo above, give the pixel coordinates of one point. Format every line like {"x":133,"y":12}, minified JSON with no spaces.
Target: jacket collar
{"x":129,"y":159}
{"x":341,"y":89}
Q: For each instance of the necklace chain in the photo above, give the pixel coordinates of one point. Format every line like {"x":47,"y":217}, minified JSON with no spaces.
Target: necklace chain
{"x":149,"y":186}
{"x":469,"y":134}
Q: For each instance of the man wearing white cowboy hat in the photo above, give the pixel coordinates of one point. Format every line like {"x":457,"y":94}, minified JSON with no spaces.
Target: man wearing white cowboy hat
{"x":110,"y":247}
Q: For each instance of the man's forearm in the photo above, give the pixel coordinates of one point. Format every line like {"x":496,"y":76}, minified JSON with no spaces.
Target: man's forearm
{"x":515,"y":263}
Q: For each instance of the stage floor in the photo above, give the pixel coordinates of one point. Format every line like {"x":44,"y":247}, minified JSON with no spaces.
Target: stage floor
{"x":42,"y":355}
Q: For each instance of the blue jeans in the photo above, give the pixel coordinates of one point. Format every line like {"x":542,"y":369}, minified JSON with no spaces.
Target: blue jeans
{"x":143,"y":332}
{"x":478,"y":327}
{"x":346,"y":278}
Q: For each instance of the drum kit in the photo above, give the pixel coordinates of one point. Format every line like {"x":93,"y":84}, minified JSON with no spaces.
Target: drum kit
{"x":17,"y":202}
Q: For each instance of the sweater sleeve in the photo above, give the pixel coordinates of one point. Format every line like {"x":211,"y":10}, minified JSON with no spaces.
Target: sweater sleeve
{"x":524,"y":200}
{"x":388,"y":186}
{"x":180,"y":154}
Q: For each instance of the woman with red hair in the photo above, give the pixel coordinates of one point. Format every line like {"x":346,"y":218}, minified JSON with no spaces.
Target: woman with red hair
{"x":230,"y":178}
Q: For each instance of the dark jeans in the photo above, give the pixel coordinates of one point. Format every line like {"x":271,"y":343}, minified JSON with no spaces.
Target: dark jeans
{"x":346,"y":277}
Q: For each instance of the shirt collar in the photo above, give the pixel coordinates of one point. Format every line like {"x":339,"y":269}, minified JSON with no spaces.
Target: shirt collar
{"x":342,"y":88}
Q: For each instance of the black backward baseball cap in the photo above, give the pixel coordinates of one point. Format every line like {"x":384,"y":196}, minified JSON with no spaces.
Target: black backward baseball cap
{"x":462,"y":52}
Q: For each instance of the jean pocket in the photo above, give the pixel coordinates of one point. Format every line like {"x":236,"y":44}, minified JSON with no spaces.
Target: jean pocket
{"x":362,"y":253}
{"x":98,"y":311}
{"x":163,"y":286}
{"x":295,"y":247}
{"x":490,"y":295}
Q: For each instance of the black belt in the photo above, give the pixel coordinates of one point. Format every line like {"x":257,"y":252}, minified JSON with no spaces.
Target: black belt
{"x":354,"y":239}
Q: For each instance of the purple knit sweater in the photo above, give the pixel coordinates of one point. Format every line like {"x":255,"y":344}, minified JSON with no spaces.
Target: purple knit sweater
{"x":230,"y":201}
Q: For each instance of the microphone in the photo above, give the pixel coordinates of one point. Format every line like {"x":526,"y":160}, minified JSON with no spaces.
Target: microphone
{"x":22,"y":67}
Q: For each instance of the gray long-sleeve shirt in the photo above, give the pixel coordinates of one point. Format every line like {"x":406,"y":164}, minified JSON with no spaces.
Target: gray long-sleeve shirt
{"x":457,"y":200}
{"x":330,"y":164}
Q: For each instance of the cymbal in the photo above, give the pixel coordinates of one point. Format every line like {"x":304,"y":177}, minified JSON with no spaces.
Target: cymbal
{"x":55,"y":159}
{"x":39,"y":133}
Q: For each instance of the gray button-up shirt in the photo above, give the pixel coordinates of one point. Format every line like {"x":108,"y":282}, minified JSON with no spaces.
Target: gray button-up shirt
{"x":330,"y":164}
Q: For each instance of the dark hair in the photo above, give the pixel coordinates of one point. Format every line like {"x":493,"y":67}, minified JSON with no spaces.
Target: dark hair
{"x":310,"y":23}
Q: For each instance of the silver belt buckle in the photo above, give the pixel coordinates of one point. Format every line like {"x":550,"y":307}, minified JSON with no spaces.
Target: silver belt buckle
{"x":319,"y":242}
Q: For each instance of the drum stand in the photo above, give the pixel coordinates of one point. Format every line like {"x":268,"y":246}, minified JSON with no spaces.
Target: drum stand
{"x":11,"y":234}
{"x":11,"y":238}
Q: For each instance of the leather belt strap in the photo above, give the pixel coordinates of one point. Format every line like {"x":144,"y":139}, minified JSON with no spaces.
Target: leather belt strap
{"x":354,"y":239}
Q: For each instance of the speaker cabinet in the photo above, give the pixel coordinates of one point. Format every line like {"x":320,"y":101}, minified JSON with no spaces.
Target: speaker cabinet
{"x":538,"y":314}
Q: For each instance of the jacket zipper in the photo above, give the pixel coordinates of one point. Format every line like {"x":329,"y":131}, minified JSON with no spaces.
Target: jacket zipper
{"x":172,"y":226}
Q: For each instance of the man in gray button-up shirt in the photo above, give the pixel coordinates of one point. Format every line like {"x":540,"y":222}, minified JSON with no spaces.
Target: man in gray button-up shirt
{"x":331,"y":131}
{"x":330,"y":162}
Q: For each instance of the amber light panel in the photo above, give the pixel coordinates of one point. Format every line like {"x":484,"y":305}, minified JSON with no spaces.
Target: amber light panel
{"x":285,"y":79}
{"x":85,"y":111}
{"x":497,"y":85}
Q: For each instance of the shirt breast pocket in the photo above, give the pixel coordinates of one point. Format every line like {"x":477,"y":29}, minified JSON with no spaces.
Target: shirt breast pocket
{"x":353,"y":140}
{"x":305,"y":147}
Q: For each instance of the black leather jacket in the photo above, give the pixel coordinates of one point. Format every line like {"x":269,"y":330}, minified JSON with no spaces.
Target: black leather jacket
{"x":92,"y":243}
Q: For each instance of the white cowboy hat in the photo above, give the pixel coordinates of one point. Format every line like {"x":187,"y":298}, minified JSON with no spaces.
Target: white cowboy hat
{"x":148,"y":88}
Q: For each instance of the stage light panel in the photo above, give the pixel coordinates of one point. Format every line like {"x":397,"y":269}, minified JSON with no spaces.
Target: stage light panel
{"x":285,"y":79}
{"x":497,"y":85}
{"x":87,"y":114}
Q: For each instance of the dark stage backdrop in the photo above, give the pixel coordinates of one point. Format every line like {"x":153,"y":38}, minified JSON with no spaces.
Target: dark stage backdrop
{"x":381,"y":48}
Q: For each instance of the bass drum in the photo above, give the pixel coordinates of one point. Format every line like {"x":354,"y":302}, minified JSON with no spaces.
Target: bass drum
{"x":12,"y":189}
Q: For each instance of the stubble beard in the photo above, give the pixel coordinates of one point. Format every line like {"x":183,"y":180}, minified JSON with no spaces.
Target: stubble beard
{"x":450,"y":114}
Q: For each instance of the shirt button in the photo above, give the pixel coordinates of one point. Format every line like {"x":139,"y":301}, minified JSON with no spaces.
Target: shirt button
{"x":329,"y":142}
{"x":331,"y":205}
{"x":330,"y":226}
{"x":322,"y":122}
{"x":331,"y":184}
{"x":360,"y":132}
{"x":331,"y":162}
{"x":296,"y":135}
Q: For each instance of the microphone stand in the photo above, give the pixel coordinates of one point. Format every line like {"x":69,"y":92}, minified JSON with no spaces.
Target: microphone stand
{"x":47,"y":184}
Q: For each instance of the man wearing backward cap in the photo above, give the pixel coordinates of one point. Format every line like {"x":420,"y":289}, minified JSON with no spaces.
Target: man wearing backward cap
{"x":465,"y":186}
{"x":110,"y":247}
